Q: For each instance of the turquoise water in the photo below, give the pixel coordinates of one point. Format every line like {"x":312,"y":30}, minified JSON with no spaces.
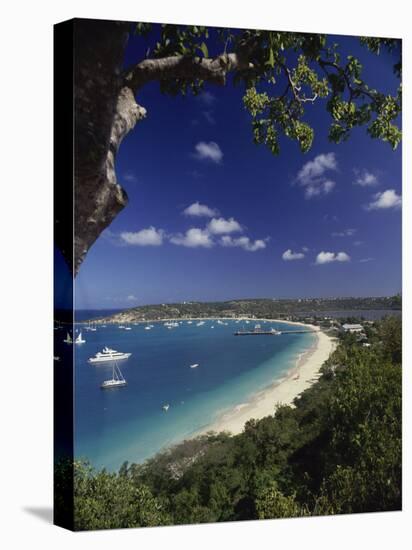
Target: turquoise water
{"x":129,"y":423}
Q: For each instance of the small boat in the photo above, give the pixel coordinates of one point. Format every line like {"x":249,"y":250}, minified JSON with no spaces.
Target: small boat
{"x":121,"y":326}
{"x":275,"y":332}
{"x":212,"y":326}
{"x":68,"y":339}
{"x":117,"y":380}
{"x":127,"y":328}
{"x":108,"y":355}
{"x":80,"y":339}
{"x":189,"y":322}
{"x":148,"y":327}
{"x":200,"y":323}
{"x":166,"y":407}
{"x":194,"y":366}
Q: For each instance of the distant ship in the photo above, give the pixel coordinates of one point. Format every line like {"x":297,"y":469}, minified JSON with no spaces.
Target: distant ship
{"x":108,"y":355}
{"x":166,"y":407}
{"x":117,"y":380}
{"x":194,"y":366}
{"x":68,"y":339}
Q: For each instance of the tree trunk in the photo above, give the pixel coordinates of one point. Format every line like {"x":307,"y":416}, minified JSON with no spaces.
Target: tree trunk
{"x":104,"y":112}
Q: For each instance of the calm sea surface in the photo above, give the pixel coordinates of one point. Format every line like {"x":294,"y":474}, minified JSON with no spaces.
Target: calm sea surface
{"x":128,"y":423}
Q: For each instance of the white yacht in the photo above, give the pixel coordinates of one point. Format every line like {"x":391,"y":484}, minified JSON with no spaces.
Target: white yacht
{"x":166,"y":407}
{"x":116,"y":381}
{"x":200,"y":323}
{"x":80,"y":339}
{"x":194,"y":366}
{"x":108,"y":355}
{"x":148,"y":327}
{"x":127,"y":328}
{"x":274,"y":331}
{"x":68,"y":339}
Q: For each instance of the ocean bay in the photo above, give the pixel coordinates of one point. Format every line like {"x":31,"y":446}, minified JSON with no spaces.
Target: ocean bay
{"x":130,"y":424}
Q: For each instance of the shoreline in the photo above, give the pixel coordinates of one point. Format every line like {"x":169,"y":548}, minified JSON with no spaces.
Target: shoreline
{"x":281,"y":392}
{"x":215,"y":318}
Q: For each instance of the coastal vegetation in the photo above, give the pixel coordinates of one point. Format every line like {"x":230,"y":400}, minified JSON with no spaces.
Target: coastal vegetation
{"x":291,"y":309}
{"x":337,"y":450}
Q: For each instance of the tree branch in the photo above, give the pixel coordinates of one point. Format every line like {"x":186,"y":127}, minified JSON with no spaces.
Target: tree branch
{"x":185,"y":68}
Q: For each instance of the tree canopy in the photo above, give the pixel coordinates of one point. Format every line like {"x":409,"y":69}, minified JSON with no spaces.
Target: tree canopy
{"x":282,"y":73}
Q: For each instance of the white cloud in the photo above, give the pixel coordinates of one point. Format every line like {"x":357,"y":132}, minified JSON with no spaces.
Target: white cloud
{"x":209,"y":117}
{"x":386,"y":199}
{"x":131,"y":298}
{"x":244,"y":242}
{"x":312,"y":175}
{"x":199,"y":210}
{"x":129,"y":177}
{"x":344,"y":233}
{"x":145,"y":237}
{"x":207,"y":98}
{"x":328,"y":257}
{"x":289,"y":255}
{"x":209,"y":151}
{"x":365,"y":178}
{"x":193,"y":238}
{"x":221,"y":226}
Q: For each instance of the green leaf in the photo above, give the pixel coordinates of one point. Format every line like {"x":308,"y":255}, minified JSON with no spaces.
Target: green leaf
{"x":204,"y":49}
{"x":271,"y":61}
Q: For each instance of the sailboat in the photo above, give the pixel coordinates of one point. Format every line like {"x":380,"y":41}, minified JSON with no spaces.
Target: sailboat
{"x":68,"y":339}
{"x":80,"y":339}
{"x":117,"y":380}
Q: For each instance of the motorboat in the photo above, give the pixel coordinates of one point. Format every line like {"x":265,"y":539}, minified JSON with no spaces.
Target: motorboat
{"x":108,"y":355}
{"x":194,"y":366}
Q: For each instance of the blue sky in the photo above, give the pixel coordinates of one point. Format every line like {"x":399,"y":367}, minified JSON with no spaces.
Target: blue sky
{"x":211,"y":216}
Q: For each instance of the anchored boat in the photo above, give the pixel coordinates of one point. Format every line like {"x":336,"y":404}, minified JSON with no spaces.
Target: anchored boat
{"x":108,"y":355}
{"x":117,"y":380}
{"x":80,"y":339}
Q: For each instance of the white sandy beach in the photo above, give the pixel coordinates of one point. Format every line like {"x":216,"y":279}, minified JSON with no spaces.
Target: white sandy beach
{"x":282,"y":391}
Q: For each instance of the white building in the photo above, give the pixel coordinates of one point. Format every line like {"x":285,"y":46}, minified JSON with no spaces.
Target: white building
{"x":352,"y":328}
